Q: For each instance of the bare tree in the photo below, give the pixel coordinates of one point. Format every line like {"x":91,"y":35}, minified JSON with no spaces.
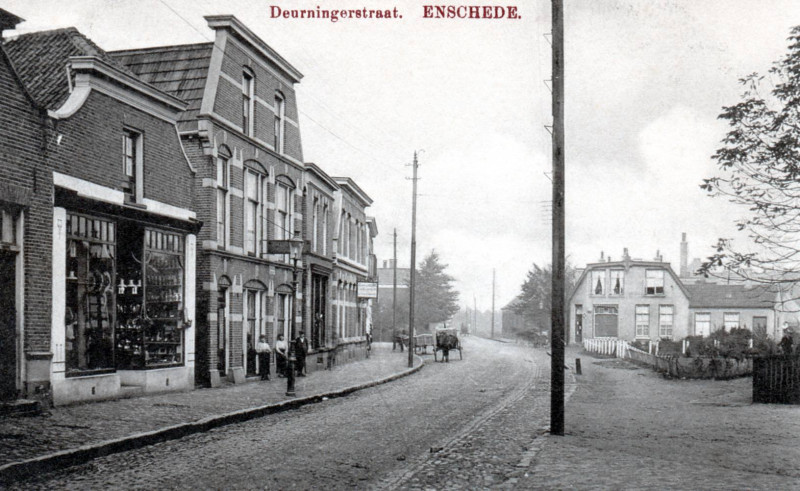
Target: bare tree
{"x":759,"y":162}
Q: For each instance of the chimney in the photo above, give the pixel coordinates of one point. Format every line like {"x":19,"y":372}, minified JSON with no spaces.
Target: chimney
{"x":658,"y":256}
{"x":8,"y":22}
{"x":602,"y":257}
{"x":684,"y":271}
{"x":625,"y":256}
{"x":384,"y":264}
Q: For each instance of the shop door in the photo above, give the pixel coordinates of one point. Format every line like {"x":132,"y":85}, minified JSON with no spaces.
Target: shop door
{"x":8,"y":323}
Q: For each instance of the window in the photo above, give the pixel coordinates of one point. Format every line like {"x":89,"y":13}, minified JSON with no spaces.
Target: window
{"x":282,"y":313}
{"x":598,"y":284}
{"x":654,"y":282}
{"x":253,"y":211}
{"x":617,"y":285}
{"x":730,"y":320}
{"x":248,"y":98}
{"x":325,"y":213}
{"x":8,"y":227}
{"x":132,"y":164}
{"x":283,"y":211}
{"x":665,"y":319}
{"x":90,"y":294}
{"x":315,"y":226}
{"x":642,"y":321}
{"x":278,"y":128}
{"x":223,"y":211}
{"x":702,"y":324}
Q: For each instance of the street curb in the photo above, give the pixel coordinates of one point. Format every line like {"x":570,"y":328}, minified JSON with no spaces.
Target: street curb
{"x":15,"y":471}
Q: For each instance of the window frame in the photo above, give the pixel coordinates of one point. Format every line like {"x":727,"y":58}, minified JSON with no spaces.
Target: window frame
{"x":601,"y":275}
{"x":642,"y":328}
{"x":657,"y":289}
{"x":248,"y":101}
{"x":223,"y":174}
{"x":279,"y":123}
{"x":611,"y":286}
{"x":708,"y":316}
{"x":725,"y":320}
{"x":134,"y":184}
{"x":666,"y":330}
{"x":253,"y":211}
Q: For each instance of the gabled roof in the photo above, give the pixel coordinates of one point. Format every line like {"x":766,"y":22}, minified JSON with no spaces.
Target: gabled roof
{"x":40,"y":59}
{"x":710,"y":295}
{"x":351,"y":186}
{"x":181,"y":71}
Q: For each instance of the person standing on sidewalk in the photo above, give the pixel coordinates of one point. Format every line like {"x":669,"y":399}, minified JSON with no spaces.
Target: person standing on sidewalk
{"x":263,"y":350}
{"x":300,"y":352}
{"x":787,"y":341}
{"x":280,"y":356}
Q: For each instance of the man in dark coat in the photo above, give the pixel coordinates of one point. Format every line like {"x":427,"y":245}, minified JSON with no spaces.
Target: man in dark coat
{"x":300,"y":352}
{"x":787,"y":341}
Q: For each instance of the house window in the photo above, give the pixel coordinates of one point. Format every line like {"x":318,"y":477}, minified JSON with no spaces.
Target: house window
{"x":730,"y":320}
{"x":654,"y":282}
{"x":617,"y":285}
{"x":598,"y":285}
{"x":325,"y":213}
{"x":315,"y":226}
{"x":665,"y":320}
{"x":132,"y":164}
{"x":223,"y":210}
{"x":642,"y":321}
{"x":253,"y":210}
{"x":283,"y":211}
{"x":279,"y":116}
{"x":702,"y":324}
{"x":248,"y":98}
{"x":8,"y":227}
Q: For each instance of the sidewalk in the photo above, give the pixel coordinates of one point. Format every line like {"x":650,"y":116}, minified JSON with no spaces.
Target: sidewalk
{"x":627,"y":427}
{"x":72,"y":434}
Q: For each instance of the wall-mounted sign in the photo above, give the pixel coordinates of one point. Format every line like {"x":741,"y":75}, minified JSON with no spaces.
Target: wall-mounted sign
{"x":367,"y":289}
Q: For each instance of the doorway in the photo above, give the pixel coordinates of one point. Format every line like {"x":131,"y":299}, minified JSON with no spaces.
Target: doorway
{"x":8,"y":326}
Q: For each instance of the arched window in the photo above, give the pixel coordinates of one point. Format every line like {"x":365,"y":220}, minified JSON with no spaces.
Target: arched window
{"x":223,"y":205}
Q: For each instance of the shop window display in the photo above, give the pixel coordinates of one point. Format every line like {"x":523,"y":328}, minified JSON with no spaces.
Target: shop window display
{"x":90,"y":296}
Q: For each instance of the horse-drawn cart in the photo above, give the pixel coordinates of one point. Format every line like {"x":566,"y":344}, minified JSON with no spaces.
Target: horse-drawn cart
{"x":446,"y":341}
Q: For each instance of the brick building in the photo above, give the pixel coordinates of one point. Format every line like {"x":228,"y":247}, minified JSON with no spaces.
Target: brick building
{"x":122,"y":276}
{"x":355,"y":262}
{"x":25,"y":235}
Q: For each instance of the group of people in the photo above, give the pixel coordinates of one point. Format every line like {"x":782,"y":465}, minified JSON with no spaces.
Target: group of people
{"x":263,"y":350}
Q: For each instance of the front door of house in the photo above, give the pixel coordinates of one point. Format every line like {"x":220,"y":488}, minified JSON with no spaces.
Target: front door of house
{"x":8,"y":326}
{"x":579,"y":324}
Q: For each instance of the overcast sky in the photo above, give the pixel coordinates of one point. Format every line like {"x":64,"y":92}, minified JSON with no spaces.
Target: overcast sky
{"x":645,"y":81}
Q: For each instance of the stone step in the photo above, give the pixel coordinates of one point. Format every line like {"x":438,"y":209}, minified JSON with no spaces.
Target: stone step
{"x":126,"y":391}
{"x":20,"y":407}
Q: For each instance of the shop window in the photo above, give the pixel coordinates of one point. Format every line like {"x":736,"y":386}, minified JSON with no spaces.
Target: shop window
{"x":150,"y":306}
{"x":654,"y":282}
{"x":89,"y":294}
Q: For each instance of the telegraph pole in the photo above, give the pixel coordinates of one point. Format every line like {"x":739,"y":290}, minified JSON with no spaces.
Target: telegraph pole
{"x":394,"y":290}
{"x":557,"y":308}
{"x":413,"y":265}
{"x":493,"y":304}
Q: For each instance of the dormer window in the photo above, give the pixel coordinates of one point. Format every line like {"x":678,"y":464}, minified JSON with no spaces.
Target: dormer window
{"x":132,"y":165}
{"x":278,"y":127}
{"x":598,"y":284}
{"x":617,"y":285}
{"x":248,"y":99}
{"x":654,"y":282}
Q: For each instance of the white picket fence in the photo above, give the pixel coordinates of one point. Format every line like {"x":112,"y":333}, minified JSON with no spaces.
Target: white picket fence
{"x":607,"y":346}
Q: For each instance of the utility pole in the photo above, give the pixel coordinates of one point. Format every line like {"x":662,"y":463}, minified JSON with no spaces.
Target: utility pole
{"x":557,"y":308}
{"x":394,"y":290}
{"x":492,"y":303}
{"x":413,"y":266}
